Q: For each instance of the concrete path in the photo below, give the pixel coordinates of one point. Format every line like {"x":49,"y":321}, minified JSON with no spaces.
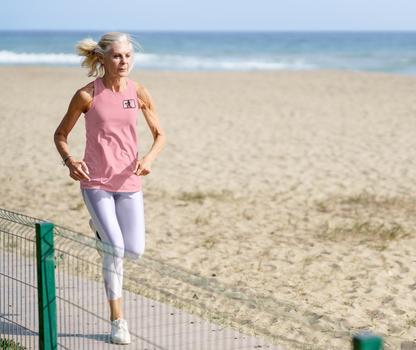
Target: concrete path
{"x":82,"y":311}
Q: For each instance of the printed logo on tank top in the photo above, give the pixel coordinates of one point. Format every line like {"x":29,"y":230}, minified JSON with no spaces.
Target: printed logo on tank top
{"x":129,"y":104}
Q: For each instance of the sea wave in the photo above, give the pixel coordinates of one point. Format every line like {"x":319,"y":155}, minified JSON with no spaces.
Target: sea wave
{"x":174,"y":62}
{"x":12,"y":58}
{"x":159,"y":62}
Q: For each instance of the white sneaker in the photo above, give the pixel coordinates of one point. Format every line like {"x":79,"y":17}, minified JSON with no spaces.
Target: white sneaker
{"x":119,"y":332}
{"x":98,"y":243}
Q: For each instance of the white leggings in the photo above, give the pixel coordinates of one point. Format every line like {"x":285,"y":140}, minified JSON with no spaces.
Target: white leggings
{"x":119,"y":220}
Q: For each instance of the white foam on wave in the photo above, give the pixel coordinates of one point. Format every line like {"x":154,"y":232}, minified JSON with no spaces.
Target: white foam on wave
{"x":152,"y":61}
{"x":9,"y":57}
{"x":158,"y":62}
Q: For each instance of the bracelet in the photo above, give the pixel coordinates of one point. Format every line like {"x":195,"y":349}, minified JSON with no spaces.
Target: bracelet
{"x":65,"y":159}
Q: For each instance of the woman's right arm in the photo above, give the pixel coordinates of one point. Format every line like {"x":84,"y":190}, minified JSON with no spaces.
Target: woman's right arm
{"x":80,"y":103}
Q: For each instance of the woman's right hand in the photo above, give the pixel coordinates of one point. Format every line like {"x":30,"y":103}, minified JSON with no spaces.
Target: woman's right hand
{"x":77,"y":170}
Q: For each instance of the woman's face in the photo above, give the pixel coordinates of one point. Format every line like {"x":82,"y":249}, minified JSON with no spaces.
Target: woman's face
{"x":117,"y":61}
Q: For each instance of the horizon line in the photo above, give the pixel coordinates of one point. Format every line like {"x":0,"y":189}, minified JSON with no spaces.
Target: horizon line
{"x":221,"y":31}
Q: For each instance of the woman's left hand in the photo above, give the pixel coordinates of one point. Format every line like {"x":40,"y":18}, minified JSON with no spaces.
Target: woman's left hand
{"x":142,"y":168}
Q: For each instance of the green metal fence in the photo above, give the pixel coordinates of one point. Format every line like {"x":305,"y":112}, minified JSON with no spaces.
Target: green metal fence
{"x":18,"y":280}
{"x":39,"y":277}
{"x":52,"y":296}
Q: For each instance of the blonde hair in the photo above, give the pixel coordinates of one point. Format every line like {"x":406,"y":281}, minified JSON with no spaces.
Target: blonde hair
{"x":88,"y":48}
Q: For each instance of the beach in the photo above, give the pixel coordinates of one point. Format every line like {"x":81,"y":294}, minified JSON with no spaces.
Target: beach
{"x":294,"y":189}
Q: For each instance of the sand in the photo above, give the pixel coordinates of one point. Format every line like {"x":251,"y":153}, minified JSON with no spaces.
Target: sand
{"x":291,"y":195}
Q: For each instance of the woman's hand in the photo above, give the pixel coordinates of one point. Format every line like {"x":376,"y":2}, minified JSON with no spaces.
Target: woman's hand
{"x":77,"y":170}
{"x":143,"y":167}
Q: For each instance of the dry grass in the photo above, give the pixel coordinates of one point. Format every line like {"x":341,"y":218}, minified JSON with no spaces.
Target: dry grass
{"x":11,"y":344}
{"x":366,"y":230}
{"x":365,"y":217}
{"x":203,"y":220}
{"x":364,"y":201}
{"x":200,"y":196}
{"x":210,"y":242}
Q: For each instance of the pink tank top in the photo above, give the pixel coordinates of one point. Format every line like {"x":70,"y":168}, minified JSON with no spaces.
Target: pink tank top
{"x":111,"y":150}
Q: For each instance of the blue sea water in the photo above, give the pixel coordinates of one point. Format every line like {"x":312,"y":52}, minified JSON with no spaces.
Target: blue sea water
{"x":390,"y":52}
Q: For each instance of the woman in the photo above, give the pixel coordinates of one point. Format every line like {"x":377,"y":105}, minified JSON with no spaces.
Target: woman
{"x":110,"y":172}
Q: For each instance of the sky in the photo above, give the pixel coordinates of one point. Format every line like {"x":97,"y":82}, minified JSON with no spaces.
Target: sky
{"x":212,"y":15}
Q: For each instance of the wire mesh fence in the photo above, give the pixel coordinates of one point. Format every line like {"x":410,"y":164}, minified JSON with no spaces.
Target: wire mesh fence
{"x":158,"y":317}
{"x":18,"y":281}
{"x":53,"y":296}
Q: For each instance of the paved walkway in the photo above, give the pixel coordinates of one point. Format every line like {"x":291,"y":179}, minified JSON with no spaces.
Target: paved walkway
{"x":82,"y":323}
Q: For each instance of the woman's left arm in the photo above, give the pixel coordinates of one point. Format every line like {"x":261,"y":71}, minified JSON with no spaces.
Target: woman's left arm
{"x":143,"y":166}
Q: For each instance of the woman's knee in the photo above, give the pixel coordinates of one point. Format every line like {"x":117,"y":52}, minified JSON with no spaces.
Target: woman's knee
{"x":135,"y":253}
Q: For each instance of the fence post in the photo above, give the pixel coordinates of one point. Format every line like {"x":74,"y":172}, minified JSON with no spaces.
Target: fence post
{"x":48,"y":335}
{"x":367,"y":341}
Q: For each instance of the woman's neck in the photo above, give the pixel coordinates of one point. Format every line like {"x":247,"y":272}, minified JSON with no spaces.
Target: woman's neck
{"x":115,"y":84}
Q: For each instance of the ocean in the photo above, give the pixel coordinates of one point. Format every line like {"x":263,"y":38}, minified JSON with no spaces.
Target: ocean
{"x":389,"y":52}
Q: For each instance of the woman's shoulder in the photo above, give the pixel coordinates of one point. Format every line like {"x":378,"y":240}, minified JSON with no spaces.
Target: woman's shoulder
{"x":84,"y":96}
{"x":142,"y":95}
{"x":141,"y":91}
{"x":137,"y":86}
{"x":87,"y":91}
